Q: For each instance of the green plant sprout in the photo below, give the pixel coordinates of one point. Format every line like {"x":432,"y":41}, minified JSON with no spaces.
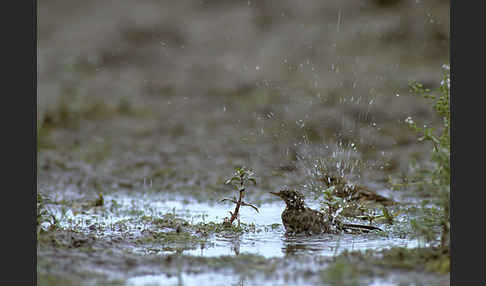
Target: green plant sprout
{"x":242,"y":176}
{"x":343,"y":199}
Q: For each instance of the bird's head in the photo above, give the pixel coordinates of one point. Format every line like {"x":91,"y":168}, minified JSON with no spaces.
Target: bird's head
{"x":292,"y":198}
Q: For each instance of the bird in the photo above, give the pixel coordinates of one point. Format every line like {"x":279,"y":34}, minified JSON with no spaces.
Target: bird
{"x":344,"y":189}
{"x":299,"y":218}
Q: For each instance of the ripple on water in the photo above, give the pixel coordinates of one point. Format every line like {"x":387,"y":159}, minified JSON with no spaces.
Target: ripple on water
{"x":273,"y":242}
{"x":268,"y":241}
{"x":214,"y":279}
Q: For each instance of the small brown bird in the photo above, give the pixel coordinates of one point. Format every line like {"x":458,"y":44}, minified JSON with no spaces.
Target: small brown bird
{"x":344,"y":189}
{"x":299,"y":218}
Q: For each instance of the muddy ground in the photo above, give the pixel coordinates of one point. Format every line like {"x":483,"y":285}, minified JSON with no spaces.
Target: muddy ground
{"x":153,"y":103}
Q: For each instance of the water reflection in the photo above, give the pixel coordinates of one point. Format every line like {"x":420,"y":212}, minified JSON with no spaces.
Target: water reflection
{"x":275,"y":244}
{"x":332,"y":244}
{"x":214,"y":279}
{"x":301,"y":244}
{"x":233,"y":242}
{"x":235,"y":245}
{"x":268,"y":238}
{"x":187,"y":279}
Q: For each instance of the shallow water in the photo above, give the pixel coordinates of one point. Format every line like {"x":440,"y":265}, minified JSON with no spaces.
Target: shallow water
{"x":272,"y":242}
{"x":184,"y":279}
{"x":215,"y":279}
{"x":268,"y":239}
{"x":232,"y":279}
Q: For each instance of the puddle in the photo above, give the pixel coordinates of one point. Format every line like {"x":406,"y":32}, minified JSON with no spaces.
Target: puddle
{"x":276,"y":244}
{"x":268,"y":239}
{"x":184,"y":279}
{"x":214,"y":279}
{"x":217,"y":279}
{"x":272,"y":242}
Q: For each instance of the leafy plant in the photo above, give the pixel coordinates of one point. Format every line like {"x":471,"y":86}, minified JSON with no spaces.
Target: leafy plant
{"x":42,"y":213}
{"x":242,"y":176}
{"x":340,"y":208}
{"x":343,"y":199}
{"x":333,"y":204}
{"x":434,"y":221}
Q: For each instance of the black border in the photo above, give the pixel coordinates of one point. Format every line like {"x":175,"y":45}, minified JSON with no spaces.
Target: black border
{"x":452,"y":61}
{"x":452,"y":125}
{"x":467,"y":174}
{"x":33,"y":26}
{"x":19,"y":86}
{"x":35,"y":116}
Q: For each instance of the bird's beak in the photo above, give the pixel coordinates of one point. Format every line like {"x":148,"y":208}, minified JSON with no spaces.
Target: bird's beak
{"x":277,"y":194}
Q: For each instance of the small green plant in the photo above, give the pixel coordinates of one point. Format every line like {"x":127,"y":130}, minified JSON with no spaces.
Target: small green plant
{"x":333,"y":204}
{"x":342,"y":200}
{"x":434,"y":221}
{"x":42,"y":213}
{"x":242,"y":176}
{"x":100,"y":201}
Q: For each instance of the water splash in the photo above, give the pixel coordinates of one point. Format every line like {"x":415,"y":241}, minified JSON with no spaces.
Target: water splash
{"x":268,"y":238}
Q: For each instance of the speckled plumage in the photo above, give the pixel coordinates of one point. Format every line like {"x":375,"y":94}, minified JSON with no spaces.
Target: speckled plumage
{"x":344,"y":189}
{"x":298,"y":218}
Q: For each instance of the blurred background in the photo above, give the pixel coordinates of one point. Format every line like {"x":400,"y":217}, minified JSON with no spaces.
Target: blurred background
{"x":181,"y":91}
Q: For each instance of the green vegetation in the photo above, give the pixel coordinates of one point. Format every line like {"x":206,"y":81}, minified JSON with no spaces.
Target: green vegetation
{"x":46,"y":215}
{"x":432,"y":260}
{"x":345,"y":200}
{"x":354,"y":268}
{"x":433,"y":220}
{"x":241,"y":177}
{"x":435,"y":260}
{"x":341,"y":272}
{"x":41,"y":210}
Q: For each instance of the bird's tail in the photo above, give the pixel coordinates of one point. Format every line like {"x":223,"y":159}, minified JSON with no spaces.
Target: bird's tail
{"x":360,"y":227}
